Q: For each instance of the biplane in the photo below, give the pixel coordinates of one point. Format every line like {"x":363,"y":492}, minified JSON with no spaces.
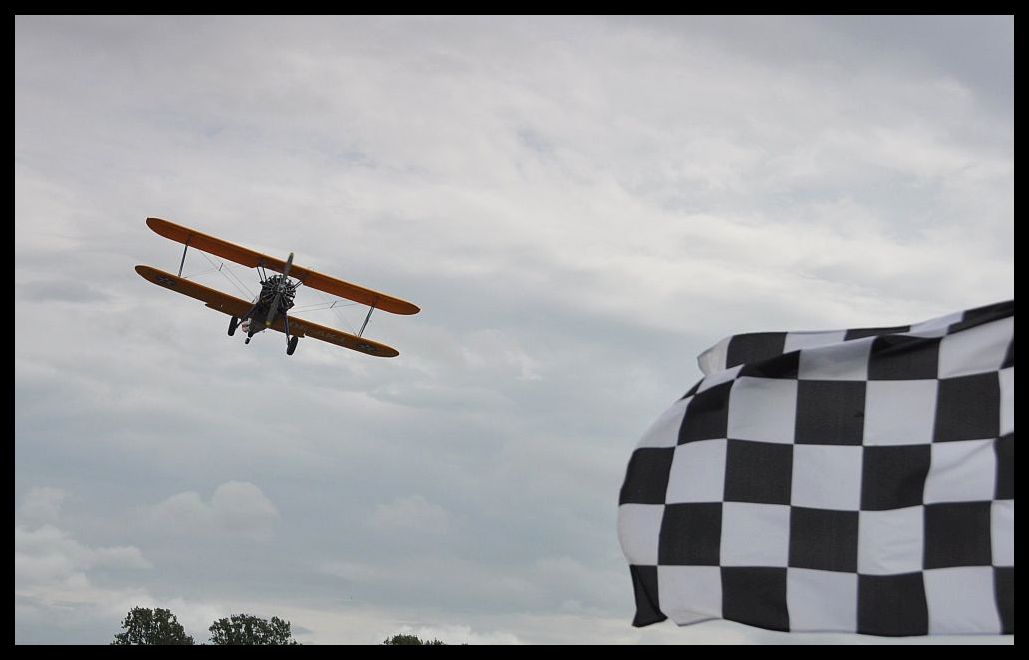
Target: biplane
{"x":270,"y":308}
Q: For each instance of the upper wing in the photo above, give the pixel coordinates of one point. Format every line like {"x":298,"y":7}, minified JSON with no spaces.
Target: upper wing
{"x":316,"y":280}
{"x":247,"y":257}
{"x":237,"y":307}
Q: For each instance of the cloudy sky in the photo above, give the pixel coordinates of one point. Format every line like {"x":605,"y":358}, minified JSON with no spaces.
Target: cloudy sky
{"x":579,"y":205}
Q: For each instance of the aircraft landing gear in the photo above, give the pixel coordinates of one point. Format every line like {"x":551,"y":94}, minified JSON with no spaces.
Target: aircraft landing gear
{"x":232,"y":325}
{"x":292,"y":345}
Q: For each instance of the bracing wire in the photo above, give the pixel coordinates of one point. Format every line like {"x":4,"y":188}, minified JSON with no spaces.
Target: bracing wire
{"x":326,"y":305}
{"x":330,"y":303}
{"x":230,"y":276}
{"x":242,"y":284}
{"x":203,"y":272}
{"x":336,"y":306}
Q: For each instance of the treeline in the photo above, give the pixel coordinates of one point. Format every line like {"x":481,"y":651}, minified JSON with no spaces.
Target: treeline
{"x":411,"y":640}
{"x":159,"y":627}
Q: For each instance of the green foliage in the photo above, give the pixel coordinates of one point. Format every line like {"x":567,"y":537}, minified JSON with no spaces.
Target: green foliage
{"x":247,"y":630}
{"x":151,"y":627}
{"x":411,"y":640}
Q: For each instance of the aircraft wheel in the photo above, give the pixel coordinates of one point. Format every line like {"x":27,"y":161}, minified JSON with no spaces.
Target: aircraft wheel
{"x":232,"y":325}
{"x":292,"y":345}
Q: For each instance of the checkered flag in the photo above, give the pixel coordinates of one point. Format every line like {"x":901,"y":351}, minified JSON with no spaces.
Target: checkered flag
{"x":851,"y":481}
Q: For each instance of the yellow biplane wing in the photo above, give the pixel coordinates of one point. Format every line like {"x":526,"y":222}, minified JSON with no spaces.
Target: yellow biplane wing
{"x":247,"y":257}
{"x":238,"y":307}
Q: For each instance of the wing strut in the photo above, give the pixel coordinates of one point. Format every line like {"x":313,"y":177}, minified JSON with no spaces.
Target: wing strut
{"x":181,"y":263}
{"x":365,"y":324}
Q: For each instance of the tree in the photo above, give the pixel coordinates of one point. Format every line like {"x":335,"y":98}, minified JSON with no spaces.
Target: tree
{"x":247,"y":630}
{"x":152,"y":627}
{"x":411,"y":640}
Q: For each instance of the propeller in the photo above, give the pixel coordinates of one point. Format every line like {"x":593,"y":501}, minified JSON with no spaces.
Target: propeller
{"x":278,"y":292}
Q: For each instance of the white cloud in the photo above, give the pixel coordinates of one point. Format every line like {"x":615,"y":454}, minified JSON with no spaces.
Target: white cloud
{"x":413,"y":514}
{"x":353,"y":571}
{"x":48,"y":554}
{"x":63,"y":586}
{"x":235,"y":507}
{"x":42,"y":505}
